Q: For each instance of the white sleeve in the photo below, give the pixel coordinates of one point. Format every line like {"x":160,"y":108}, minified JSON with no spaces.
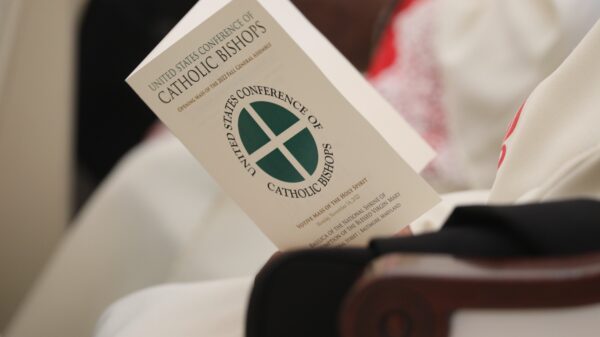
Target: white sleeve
{"x":492,"y":54}
{"x":552,"y":149}
{"x":158,"y":218}
{"x":215,"y":309}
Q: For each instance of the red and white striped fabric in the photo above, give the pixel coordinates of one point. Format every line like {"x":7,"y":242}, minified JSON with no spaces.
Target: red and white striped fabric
{"x":404,"y":69}
{"x":458,"y":70}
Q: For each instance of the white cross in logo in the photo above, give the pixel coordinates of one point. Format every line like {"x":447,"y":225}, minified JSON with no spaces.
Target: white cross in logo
{"x":277,"y":142}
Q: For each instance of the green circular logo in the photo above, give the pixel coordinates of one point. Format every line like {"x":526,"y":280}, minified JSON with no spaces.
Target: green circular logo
{"x":283,"y":147}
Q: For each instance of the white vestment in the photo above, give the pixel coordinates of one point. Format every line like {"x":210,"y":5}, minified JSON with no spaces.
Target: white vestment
{"x":159,"y":219}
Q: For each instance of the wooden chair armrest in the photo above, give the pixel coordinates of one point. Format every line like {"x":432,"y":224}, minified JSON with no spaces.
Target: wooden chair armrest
{"x":415,"y":295}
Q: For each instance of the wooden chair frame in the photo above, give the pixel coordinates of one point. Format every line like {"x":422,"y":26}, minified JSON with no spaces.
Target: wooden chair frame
{"x":415,"y":295}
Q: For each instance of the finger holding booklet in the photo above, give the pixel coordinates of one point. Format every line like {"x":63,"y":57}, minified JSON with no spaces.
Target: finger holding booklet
{"x":285,"y":124}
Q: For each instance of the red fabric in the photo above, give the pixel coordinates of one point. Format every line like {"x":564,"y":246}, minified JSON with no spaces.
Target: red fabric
{"x":405,"y":70}
{"x":514,"y":123}
{"x":385,"y":53}
{"x":511,"y":129}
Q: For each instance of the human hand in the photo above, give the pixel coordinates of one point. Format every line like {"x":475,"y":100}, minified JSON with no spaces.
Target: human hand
{"x":406,"y":231}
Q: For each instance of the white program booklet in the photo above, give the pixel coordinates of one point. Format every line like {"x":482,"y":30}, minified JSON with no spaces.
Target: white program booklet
{"x":289,"y":129}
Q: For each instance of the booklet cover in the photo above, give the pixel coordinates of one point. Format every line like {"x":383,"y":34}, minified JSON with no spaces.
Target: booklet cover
{"x":286,"y":125}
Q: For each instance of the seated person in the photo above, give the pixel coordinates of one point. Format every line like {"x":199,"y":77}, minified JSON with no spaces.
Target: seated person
{"x":551,"y":151}
{"x":160,"y":219}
